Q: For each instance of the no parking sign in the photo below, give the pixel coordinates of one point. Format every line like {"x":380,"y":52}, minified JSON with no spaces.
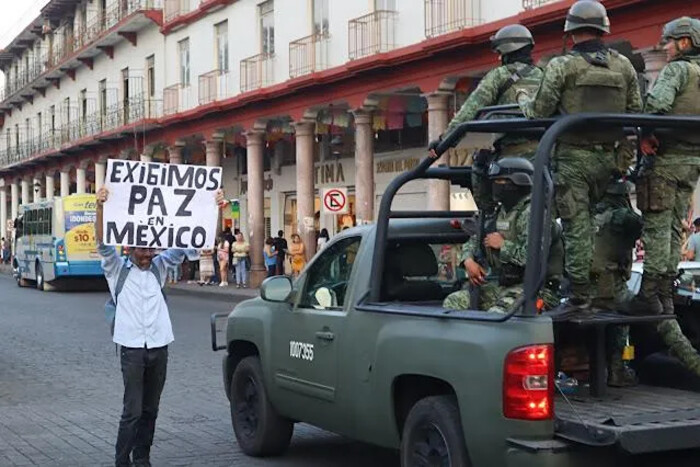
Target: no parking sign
{"x":335,"y":200}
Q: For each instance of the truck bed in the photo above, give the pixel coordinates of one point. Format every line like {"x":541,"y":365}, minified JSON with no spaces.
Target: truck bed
{"x":638,"y":420}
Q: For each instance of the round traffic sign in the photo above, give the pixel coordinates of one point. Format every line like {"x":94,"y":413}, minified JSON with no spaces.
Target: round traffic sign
{"x":334,"y":200}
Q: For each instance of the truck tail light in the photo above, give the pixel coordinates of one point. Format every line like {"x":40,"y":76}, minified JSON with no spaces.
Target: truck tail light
{"x":528,"y":383}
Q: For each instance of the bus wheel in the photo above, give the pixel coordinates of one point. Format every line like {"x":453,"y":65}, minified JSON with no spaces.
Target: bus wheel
{"x":39,"y":277}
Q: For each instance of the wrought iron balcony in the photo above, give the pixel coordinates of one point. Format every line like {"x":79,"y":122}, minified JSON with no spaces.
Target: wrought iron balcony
{"x":176,"y":8}
{"x":213,"y":86}
{"x":372,"y":33}
{"x":308,"y":55}
{"x":530,"y":4}
{"x":445,"y":16}
{"x":257,"y":72}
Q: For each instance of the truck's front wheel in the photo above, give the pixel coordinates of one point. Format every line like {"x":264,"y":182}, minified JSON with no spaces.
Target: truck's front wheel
{"x":432,"y":435}
{"x":259,"y":429}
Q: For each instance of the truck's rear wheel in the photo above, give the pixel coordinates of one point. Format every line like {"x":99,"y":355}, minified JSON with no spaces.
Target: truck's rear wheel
{"x":259,"y":429}
{"x":432,"y":435}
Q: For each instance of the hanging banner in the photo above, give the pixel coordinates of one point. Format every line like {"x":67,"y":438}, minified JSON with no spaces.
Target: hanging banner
{"x":155,"y":205}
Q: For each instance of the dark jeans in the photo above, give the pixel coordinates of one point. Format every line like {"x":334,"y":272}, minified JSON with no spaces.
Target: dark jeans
{"x":271,"y":270}
{"x":144,"y":376}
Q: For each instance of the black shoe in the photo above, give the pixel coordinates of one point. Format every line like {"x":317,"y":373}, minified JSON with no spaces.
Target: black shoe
{"x":575,"y":306}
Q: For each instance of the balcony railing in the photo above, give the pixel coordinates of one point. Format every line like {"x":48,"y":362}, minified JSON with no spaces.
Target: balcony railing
{"x":372,"y":33}
{"x":135,"y":111}
{"x":176,"y":8}
{"x":213,"y":86}
{"x":257,"y":72}
{"x":530,"y":4}
{"x":445,"y":16}
{"x":308,"y":54}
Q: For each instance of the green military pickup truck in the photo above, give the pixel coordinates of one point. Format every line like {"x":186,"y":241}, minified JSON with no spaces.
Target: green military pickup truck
{"x":360,"y":345}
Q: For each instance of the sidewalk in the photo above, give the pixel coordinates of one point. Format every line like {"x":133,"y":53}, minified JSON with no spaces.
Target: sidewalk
{"x":211,"y":292}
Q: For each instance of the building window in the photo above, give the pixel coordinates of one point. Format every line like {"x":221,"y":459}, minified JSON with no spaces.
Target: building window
{"x":321,"y":17}
{"x":184,"y":48}
{"x":66,"y":111}
{"x":52,"y":113}
{"x":39,"y":124}
{"x":151,"y":76}
{"x":103,"y":97}
{"x":267,"y":27}
{"x":83,"y":105}
{"x":222,"y":46}
{"x":384,"y":5}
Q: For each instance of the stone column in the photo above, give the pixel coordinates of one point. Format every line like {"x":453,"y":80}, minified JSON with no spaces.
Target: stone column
{"x":364,"y":168}
{"x":256,"y":205}
{"x":100,"y":170}
{"x":37,"y":194}
{"x":80,"y":179}
{"x":3,"y":210}
{"x":305,"y":185}
{"x":50,"y":185}
{"x":438,"y":190}
{"x":213,"y":152}
{"x":175,"y":153}
{"x":654,"y":61}
{"x":14,"y":200}
{"x":25,"y":191}
{"x":65,"y":181}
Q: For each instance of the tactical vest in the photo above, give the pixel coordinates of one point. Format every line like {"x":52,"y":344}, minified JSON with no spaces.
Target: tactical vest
{"x":687,"y":103}
{"x":596,"y":84}
{"x":522,"y":77}
{"x":506,"y":226}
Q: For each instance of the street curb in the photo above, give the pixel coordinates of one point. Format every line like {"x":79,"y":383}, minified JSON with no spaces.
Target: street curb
{"x":206,"y":295}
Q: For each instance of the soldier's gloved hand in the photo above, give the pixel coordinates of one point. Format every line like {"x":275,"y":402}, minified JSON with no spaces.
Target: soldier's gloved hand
{"x":649,"y":145}
{"x":521,"y":96}
{"x":432,"y":147}
{"x":477,"y":274}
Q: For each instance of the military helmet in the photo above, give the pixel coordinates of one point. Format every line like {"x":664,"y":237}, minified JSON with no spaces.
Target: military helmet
{"x":683,"y":27}
{"x":510,"y":38}
{"x":516,"y":169}
{"x":587,"y":14}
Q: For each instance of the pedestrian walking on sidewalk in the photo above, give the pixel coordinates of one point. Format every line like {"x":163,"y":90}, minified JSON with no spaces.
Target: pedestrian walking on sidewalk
{"x":143,"y":329}
{"x":241,"y":249}
{"x":270,"y":256}
{"x":222,"y":252}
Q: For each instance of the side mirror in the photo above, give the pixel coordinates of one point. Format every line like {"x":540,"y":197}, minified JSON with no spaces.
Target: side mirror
{"x":276,"y":289}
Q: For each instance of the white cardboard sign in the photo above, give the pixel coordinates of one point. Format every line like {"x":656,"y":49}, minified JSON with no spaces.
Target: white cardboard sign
{"x":154,"y":205}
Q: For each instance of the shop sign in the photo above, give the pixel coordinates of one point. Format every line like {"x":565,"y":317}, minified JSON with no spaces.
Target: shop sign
{"x":335,"y":200}
{"x":397,"y":165}
{"x":329,"y":172}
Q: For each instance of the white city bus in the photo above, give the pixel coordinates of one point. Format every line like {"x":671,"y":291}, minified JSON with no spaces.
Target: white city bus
{"x":55,"y":239}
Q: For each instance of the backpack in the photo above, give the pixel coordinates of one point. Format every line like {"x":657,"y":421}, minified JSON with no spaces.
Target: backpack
{"x":111,"y":304}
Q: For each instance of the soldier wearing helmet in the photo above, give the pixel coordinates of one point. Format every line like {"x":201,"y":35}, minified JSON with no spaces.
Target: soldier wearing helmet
{"x":514,"y":44}
{"x":501,"y":276}
{"x":590,"y":78}
{"x":665,"y":191}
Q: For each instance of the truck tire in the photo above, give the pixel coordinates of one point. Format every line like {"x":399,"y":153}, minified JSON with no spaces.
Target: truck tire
{"x":259,"y":429}
{"x":432,"y":434}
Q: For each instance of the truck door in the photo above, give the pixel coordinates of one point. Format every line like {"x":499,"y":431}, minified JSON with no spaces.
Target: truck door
{"x":314,"y":334}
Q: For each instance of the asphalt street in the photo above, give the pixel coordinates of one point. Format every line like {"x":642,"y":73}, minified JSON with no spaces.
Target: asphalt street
{"x":61,"y":389}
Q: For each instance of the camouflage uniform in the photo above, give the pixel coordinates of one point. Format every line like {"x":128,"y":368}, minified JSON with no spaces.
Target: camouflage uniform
{"x":585,"y":161}
{"x":492,"y":91}
{"x":664,"y":193}
{"x":500,"y":295}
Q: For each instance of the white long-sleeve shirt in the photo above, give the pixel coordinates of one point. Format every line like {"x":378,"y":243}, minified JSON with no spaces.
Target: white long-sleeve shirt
{"x":142,"y":317}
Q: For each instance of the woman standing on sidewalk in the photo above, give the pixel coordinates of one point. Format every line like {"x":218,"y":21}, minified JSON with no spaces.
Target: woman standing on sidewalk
{"x":270,"y":256}
{"x":297,"y":255}
{"x":222,"y":251}
{"x":240,"y":249}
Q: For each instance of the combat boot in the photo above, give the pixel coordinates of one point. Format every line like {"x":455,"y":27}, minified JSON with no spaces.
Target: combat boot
{"x":620,"y":375}
{"x":666,"y":291}
{"x":679,"y":345}
{"x":647,"y":300}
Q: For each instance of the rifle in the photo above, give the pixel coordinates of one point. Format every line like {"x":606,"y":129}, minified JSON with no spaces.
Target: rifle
{"x":487,"y":225}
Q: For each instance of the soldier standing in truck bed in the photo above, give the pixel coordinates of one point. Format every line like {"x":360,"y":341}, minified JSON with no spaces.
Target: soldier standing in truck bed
{"x":590,"y":78}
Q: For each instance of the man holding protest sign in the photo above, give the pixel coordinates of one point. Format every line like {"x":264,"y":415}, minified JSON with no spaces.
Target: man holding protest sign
{"x":146,"y":212}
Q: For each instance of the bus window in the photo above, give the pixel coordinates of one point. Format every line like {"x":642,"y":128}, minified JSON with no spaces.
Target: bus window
{"x":49,"y":221}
